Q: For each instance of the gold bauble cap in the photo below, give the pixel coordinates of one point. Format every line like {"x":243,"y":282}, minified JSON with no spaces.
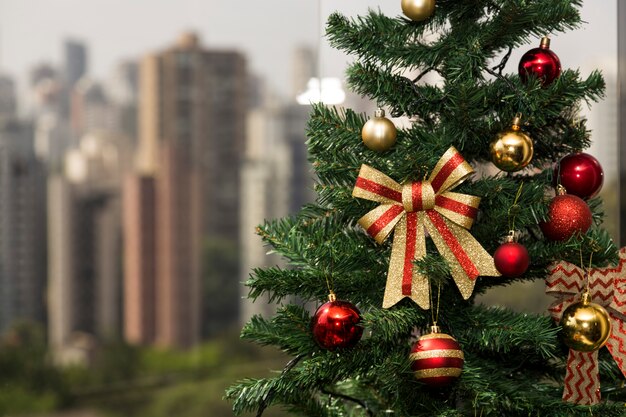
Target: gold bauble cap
{"x":545,"y":43}
{"x":517,"y":122}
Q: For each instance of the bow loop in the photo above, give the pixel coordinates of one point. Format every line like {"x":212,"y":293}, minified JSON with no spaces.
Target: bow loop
{"x":450,"y":171}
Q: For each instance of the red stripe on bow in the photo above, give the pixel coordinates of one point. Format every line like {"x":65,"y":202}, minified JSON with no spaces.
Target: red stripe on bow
{"x":454,"y":245}
{"x":384,"y":220}
{"x":416,"y":194}
{"x":409,"y":254}
{"x":381,"y":190}
{"x":455,"y":206}
{"x":446,"y":170}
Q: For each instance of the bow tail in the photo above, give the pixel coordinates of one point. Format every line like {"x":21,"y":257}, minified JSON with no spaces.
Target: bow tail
{"x":582,"y":381}
{"x":403,"y":279}
{"x":617,"y":342}
{"x":467,"y":258}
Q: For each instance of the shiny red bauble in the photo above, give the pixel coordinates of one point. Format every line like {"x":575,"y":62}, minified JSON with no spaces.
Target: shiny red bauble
{"x":336,"y":325}
{"x":581,"y":174}
{"x":511,"y":259}
{"x":541,"y":63}
{"x":568,"y":215}
{"x":437,"y":359}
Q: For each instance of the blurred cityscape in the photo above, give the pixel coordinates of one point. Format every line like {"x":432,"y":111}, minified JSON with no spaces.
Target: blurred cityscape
{"x":128,"y":205}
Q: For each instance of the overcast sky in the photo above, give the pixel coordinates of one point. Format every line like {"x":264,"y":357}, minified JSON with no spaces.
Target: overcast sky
{"x":32,"y":31}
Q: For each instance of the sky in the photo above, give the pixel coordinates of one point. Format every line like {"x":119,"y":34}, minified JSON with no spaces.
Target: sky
{"x":32,"y":31}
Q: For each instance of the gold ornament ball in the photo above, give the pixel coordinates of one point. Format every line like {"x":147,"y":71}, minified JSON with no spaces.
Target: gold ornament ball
{"x":418,"y":10}
{"x":512,"y":149}
{"x":586,"y":326}
{"x":379,"y":133}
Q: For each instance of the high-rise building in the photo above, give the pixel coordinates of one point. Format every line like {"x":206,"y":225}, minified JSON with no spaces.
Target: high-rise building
{"x":8,"y":102}
{"x":90,"y":110}
{"x":139,"y":229}
{"x":123,"y":90}
{"x":52,"y":139}
{"x":303,"y":68}
{"x":45,"y":91}
{"x":192,"y":104}
{"x":22,"y":226}
{"x":277,"y":179}
{"x":85,"y":271}
{"x":75,"y":61}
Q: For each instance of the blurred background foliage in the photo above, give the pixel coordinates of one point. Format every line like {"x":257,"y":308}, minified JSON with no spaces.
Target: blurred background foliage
{"x":127,"y":381}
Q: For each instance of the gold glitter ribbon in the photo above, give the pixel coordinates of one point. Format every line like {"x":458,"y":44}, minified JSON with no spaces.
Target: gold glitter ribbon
{"x":607,"y":287}
{"x":410,"y":209}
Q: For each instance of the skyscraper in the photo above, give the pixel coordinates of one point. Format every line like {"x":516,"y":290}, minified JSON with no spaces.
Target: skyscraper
{"x":123,"y":90}
{"x":22,"y":226}
{"x":90,"y":110}
{"x":8,"y":102}
{"x":139,"y":228}
{"x":85,"y":272}
{"x":276,"y":175}
{"x":75,"y":61}
{"x":192,"y":103}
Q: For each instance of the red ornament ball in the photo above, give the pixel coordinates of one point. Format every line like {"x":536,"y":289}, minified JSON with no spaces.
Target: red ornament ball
{"x":511,"y":259}
{"x":437,"y":359}
{"x":336,"y":325}
{"x":581,"y":174}
{"x":567,"y":215}
{"x":540,"y":62}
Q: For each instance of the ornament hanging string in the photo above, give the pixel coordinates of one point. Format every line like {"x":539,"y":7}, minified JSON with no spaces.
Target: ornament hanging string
{"x":576,"y":123}
{"x":582,"y":264}
{"x":513,"y":209}
{"x":434,"y":310}
{"x":330,"y":281}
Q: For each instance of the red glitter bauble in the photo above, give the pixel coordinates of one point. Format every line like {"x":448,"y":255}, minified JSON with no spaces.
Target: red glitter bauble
{"x":581,"y":174}
{"x":540,"y":62}
{"x":511,"y":259}
{"x":437,"y":359}
{"x":568,"y":215}
{"x":335,"y":325}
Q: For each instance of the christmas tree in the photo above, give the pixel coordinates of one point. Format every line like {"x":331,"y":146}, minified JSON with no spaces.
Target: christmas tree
{"x":404,"y":234}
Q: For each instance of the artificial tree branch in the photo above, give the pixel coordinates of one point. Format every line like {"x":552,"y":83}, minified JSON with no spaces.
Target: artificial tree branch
{"x":270,"y":394}
{"x":348,"y":398}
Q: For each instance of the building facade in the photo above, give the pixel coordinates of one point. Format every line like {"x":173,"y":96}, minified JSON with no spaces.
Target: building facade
{"x":192,"y":104}
{"x":22,"y":226}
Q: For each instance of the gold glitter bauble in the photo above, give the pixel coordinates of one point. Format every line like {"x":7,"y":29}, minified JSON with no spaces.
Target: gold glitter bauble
{"x":512,"y":149}
{"x":418,"y":10}
{"x":379,"y":133}
{"x":586,"y":326}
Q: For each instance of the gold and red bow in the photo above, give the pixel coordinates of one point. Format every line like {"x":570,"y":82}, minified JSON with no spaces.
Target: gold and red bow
{"x":410,"y":209}
{"x":607,"y":287}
